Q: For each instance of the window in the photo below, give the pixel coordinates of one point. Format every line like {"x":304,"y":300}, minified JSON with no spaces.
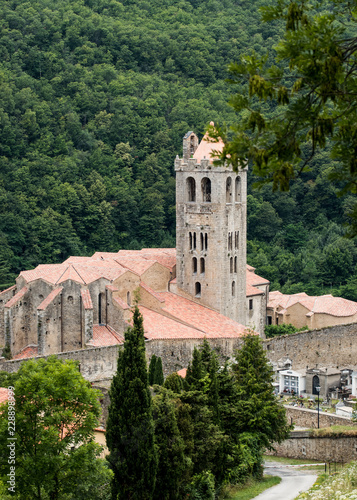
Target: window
{"x":231,"y":265}
{"x":238,"y":190}
{"x":128,"y":298}
{"x":191,"y":189}
{"x":192,"y":146}
{"x":194,"y":265}
{"x":250,"y":304}
{"x":233,"y":289}
{"x":100,"y":308}
{"x":206,"y":241}
{"x":206,"y":189}
{"x":230,"y":238}
{"x":194,"y":241}
{"x":235,"y":264}
{"x":190,"y":241}
{"x":229,"y":190}
{"x":202,"y":242}
{"x":197,"y":289}
{"x":202,"y":265}
{"x":269,"y":320}
{"x":236,"y":239}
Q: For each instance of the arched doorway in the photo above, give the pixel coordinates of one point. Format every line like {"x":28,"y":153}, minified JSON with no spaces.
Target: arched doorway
{"x":315,"y":383}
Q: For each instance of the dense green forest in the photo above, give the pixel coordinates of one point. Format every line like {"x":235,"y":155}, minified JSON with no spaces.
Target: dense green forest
{"x":95,"y":97}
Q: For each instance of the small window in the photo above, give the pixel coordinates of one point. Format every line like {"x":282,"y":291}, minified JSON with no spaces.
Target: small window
{"x":269,"y":320}
{"x":229,"y":190}
{"x":233,"y":289}
{"x":250,"y":304}
{"x":202,"y":265}
{"x":191,"y":189}
{"x":238,"y":189}
{"x":194,"y":241}
{"x":231,"y":265}
{"x":206,"y":189}
{"x":190,"y":241}
{"x":70,"y":299}
{"x":235,"y":264}
{"x":236,"y":239}
{"x":202,"y":241}
{"x":194,"y":265}
{"x":206,"y":246}
{"x":128,"y":298}
{"x":197,"y":289}
{"x":230,"y":236}
{"x":277,"y":321}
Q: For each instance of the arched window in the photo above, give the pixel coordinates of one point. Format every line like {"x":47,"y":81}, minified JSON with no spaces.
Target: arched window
{"x":194,"y":265}
{"x":194,"y":241}
{"x":100,"y":308}
{"x":238,"y":189}
{"x":235,"y":264}
{"x":206,"y":189}
{"x":315,"y":383}
{"x":202,"y":265}
{"x":202,"y":241}
{"x":197,"y":289}
{"x":192,"y":146}
{"x":231,"y":265}
{"x":230,"y":238}
{"x":236,"y":239}
{"x":128,"y":298}
{"x":190,"y":241}
{"x":191,"y":189}
{"x":233,"y":288}
{"x":229,"y":190}
{"x":206,"y":241}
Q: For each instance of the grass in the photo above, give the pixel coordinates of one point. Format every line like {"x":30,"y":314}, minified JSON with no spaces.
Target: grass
{"x":249,"y":490}
{"x":290,"y":461}
{"x":335,"y":431}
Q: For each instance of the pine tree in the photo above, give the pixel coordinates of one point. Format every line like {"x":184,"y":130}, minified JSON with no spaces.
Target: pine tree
{"x":152,"y":367}
{"x":159,"y":374}
{"x":130,"y":427}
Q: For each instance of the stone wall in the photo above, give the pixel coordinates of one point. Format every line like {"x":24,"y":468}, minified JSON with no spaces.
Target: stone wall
{"x":325,"y":449}
{"x":335,"y":346}
{"x":302,"y":417}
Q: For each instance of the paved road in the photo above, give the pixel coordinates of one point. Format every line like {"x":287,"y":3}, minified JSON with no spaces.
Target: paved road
{"x":293,"y":482}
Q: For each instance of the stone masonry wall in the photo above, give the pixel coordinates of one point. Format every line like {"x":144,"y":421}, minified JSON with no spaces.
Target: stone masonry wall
{"x":335,"y":346}
{"x":300,"y":445}
{"x":302,"y":417}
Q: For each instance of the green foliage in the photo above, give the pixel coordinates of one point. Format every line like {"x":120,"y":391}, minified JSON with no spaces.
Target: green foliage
{"x":202,"y":487}
{"x":130,"y":427}
{"x":56,"y":413}
{"x":152,"y":367}
{"x":6,"y":352}
{"x":284,"y":329}
{"x":174,"y":383}
{"x":158,"y":374}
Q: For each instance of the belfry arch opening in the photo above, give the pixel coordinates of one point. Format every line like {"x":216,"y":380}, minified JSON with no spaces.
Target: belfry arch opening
{"x":238,"y":188}
{"x":191,"y":189}
{"x":206,"y":190}
{"x":229,"y":190}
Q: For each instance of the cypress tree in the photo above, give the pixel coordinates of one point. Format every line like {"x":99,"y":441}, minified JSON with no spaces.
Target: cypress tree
{"x":130,"y":427}
{"x":152,"y":367}
{"x":159,"y":374}
{"x":195,"y":371}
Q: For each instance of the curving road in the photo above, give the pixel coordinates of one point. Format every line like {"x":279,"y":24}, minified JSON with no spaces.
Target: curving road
{"x":293,"y":482}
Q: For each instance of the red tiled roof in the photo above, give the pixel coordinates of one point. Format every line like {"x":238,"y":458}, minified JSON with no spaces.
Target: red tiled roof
{"x":254,"y":280}
{"x":136,"y":264}
{"x":86,"y":299}
{"x":251,"y":290}
{"x":13,"y":287}
{"x":49,"y":298}
{"x":182,"y":372}
{"x":151,"y":291}
{"x":121,"y":303}
{"x":27,"y":352}
{"x":157,"y":326}
{"x":105,"y":335}
{"x":4,"y":395}
{"x":206,"y":147}
{"x":112,"y":288}
{"x":324,"y":304}
{"x":212,"y":323}
{"x":16,"y":297}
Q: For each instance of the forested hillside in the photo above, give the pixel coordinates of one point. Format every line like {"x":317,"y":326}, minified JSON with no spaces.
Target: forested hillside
{"x":95,"y":97}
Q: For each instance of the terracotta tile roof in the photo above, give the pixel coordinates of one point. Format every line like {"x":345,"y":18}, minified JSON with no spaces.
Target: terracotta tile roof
{"x":27,"y":352}
{"x":212,"y":323}
{"x":182,"y":372}
{"x":13,"y":287}
{"x":157,"y":326}
{"x":254,"y":280}
{"x":251,"y":290}
{"x":137,"y":264}
{"x":205,"y":148}
{"x":151,"y":291}
{"x":105,"y":335}
{"x":121,"y":303}
{"x":86,"y":299}
{"x":49,"y":298}
{"x":324,"y":304}
{"x":4,"y":395}
{"x":71,"y":273}
{"x":250,"y":268}
{"x":16,"y":297}
{"x":174,"y":280}
{"x":112,"y":288}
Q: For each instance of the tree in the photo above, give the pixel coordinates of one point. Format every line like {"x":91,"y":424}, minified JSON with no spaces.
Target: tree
{"x":130,"y":427}
{"x":152,"y":367}
{"x":158,"y":375}
{"x":56,"y":413}
{"x":314,"y":96}
{"x":258,"y":412}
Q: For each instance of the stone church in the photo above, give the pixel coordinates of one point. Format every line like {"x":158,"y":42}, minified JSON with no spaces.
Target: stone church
{"x":203,"y":288}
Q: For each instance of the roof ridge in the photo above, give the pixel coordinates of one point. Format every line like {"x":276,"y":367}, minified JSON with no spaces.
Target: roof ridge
{"x":174,"y":318}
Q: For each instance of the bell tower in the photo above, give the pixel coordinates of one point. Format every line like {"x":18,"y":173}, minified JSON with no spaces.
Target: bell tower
{"x":211,"y":215}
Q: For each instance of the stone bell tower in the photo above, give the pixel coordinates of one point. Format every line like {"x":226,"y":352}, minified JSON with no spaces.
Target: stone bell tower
{"x":211,"y":215}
